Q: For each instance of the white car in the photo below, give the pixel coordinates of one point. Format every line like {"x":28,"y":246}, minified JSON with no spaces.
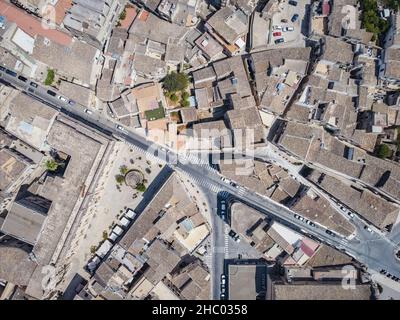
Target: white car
{"x":88,"y":111}
{"x":225,"y":180}
{"x":351,"y":215}
{"x":277,"y":28}
{"x":65,"y":100}
{"x":368,"y":229}
{"x":286,"y":29}
{"x":121,"y":128}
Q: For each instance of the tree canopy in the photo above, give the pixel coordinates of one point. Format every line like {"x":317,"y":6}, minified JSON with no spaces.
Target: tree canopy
{"x":175,"y":81}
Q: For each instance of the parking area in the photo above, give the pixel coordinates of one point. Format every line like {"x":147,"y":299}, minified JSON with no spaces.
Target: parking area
{"x":288,"y":23}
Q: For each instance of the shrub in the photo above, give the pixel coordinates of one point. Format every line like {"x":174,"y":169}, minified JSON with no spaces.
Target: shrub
{"x":119,"y":178}
{"x":185,"y":103}
{"x":51,"y":165}
{"x":123,"y":170}
{"x":141,"y":187}
{"x":50,"y":77}
{"x":384,"y":151}
{"x":173,"y":97}
{"x":185,"y":95}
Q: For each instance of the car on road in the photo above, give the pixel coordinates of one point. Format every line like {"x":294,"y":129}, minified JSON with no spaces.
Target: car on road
{"x":383,"y":271}
{"x":299,"y":217}
{"x":280,"y":40}
{"x":310,"y":223}
{"x":222,"y":296}
{"x":233,"y":184}
{"x":33,"y":84}
{"x":351,"y":215}
{"x":232,"y":233}
{"x":2,"y":68}
{"x":88,"y":111}
{"x":223,"y":279}
{"x":277,"y":34}
{"x":293,"y":3}
{"x":223,"y":207}
{"x":71,"y":102}
{"x":120,"y":128}
{"x":11,"y":73}
{"x":295,"y":17}
{"x":51,"y":93}
{"x":222,"y":290}
{"x":31,"y":90}
{"x":22,"y":78}
{"x":286,"y":29}
{"x":63,"y":99}
{"x":368,"y":229}
{"x":225,"y":180}
{"x":330,"y":233}
{"x":284,"y":20}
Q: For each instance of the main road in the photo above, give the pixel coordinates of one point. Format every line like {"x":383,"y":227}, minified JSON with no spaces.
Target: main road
{"x":374,"y":250}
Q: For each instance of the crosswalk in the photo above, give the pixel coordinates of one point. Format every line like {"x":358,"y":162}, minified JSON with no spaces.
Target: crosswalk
{"x":226,"y":241}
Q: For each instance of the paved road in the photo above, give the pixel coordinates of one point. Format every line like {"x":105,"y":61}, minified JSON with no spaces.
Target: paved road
{"x":372,"y":249}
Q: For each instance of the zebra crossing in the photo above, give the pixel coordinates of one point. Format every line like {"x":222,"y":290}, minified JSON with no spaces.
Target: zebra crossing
{"x":226,"y":241}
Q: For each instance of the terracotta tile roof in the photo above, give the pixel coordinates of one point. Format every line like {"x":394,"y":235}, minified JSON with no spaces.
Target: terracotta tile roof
{"x":31,"y":25}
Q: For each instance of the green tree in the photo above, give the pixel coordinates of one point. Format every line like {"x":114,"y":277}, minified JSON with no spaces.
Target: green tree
{"x":105,"y":235}
{"x":141,"y":187}
{"x":122,"y":16}
{"x":51,"y":165}
{"x":384,"y":151}
{"x":185,"y":103}
{"x":119,"y":178}
{"x":185,"y":95}
{"x":175,"y":81}
{"x":123,"y":170}
{"x":173,"y":97}
{"x":50,"y":77}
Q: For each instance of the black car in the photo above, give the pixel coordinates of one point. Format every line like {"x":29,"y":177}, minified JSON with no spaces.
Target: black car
{"x":2,"y":68}
{"x":294,"y":18}
{"x":51,"y":93}
{"x":22,"y":78}
{"x":232,"y":233}
{"x":31,"y":90}
{"x":280,"y":40}
{"x":33,"y":84}
{"x":293,"y":3}
{"x":330,"y":233}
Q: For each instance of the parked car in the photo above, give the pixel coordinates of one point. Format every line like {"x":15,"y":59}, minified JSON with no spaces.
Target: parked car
{"x":71,"y":102}
{"x":310,"y":223}
{"x":277,"y":34}
{"x":51,"y":93}
{"x":286,"y":29}
{"x":295,"y":17}
{"x":236,"y":238}
{"x":120,"y":128}
{"x":280,"y":40}
{"x":277,"y":28}
{"x":293,"y":3}
{"x":63,"y":99}
{"x":330,"y":233}
{"x":232,"y":233}
{"x":284,"y":20}
{"x":88,"y":111}
{"x":22,"y":78}
{"x":368,"y":229}
{"x":33,"y":84}
{"x":351,"y":215}
{"x":11,"y":73}
{"x":31,"y":90}
{"x":2,"y":68}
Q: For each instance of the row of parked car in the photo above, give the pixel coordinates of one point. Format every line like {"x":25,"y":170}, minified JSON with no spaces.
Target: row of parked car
{"x":387,"y":274}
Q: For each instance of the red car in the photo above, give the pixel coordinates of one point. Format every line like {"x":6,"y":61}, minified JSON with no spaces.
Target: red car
{"x":277,"y":34}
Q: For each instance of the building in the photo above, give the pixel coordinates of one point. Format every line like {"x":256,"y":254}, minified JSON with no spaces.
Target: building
{"x":247,"y":281}
{"x":92,"y":21}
